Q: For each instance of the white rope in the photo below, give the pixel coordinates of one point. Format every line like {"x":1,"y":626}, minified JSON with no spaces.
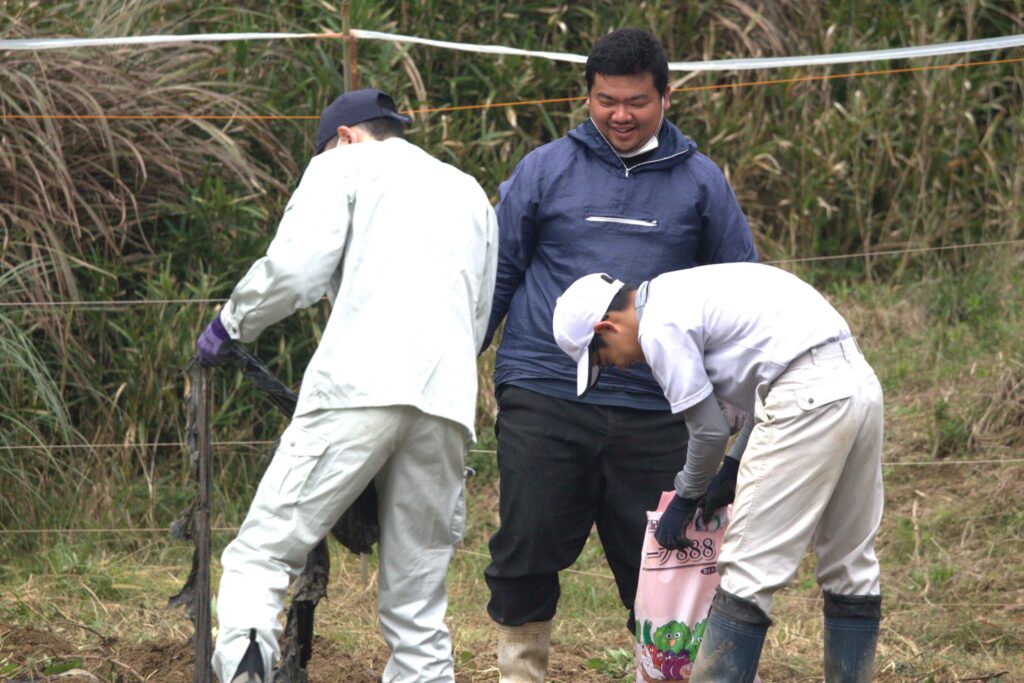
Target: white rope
{"x":744,"y":64}
{"x":917,"y":52}
{"x":64,"y":43}
{"x":469,"y":47}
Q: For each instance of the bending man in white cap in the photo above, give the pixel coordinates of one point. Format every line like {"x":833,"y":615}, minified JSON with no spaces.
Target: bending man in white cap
{"x":806,"y":468}
{"x":397,"y":241}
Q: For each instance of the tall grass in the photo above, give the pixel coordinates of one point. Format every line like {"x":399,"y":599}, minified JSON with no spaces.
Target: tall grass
{"x":32,"y":412}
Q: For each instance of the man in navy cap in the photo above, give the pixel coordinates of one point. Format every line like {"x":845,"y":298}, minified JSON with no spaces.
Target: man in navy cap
{"x":396,"y":240}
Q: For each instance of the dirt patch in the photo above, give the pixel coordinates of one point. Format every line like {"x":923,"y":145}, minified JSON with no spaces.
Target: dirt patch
{"x":30,"y":642}
{"x":58,"y":653}
{"x":151,"y":661}
{"x":32,"y":654}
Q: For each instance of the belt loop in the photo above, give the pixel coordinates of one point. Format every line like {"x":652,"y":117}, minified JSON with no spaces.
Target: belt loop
{"x":850,"y":349}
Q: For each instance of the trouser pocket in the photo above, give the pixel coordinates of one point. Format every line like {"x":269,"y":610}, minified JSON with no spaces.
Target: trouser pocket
{"x":295,"y":461}
{"x":458,"y":526}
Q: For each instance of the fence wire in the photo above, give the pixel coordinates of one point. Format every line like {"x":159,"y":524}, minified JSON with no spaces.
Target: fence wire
{"x":806,"y":259}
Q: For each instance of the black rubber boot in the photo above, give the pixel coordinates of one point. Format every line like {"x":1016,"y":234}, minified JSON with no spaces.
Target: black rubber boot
{"x":250,"y":669}
{"x":732,"y":644}
{"x":851,"y":636}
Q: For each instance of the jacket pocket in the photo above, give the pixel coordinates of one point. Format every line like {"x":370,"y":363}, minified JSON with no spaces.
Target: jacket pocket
{"x":810,"y":398}
{"x":296,"y":459}
{"x":645,"y":223}
{"x":619,"y":217}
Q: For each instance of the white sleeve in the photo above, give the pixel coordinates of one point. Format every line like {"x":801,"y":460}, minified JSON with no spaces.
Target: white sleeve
{"x":675,"y":355}
{"x":302,"y":258}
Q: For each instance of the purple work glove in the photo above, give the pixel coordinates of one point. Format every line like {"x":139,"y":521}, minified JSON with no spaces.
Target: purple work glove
{"x":211,"y":343}
{"x":671,"y":531}
{"x":722,"y":489}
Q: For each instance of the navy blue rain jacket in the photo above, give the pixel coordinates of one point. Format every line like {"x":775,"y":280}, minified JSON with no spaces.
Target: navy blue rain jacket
{"x":572,"y":208}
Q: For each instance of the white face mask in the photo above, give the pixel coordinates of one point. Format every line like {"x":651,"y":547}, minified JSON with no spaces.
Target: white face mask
{"x":649,"y":145}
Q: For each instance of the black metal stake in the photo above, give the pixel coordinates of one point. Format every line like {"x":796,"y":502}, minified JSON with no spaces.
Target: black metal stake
{"x":357,"y":529}
{"x":203,"y":644}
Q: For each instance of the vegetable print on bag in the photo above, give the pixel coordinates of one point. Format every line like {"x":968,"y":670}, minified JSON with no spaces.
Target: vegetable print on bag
{"x":674,"y":596}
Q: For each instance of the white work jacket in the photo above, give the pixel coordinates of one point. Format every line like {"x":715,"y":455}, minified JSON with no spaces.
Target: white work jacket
{"x":405,"y":248}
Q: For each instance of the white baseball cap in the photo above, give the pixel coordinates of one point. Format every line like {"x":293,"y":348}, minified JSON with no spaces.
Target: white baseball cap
{"x":577,"y":311}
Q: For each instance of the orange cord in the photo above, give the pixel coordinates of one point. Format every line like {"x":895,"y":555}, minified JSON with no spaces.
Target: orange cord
{"x":492,"y":105}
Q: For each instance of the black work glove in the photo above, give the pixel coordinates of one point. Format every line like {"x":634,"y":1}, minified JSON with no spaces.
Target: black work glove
{"x":671,"y":531}
{"x":722,"y":489}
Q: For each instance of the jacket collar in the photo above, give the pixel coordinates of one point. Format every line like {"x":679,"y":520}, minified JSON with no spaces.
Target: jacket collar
{"x":673,"y":146}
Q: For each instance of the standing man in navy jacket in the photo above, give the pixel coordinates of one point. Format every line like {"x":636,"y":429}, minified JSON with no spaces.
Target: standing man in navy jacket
{"x":623,"y":192}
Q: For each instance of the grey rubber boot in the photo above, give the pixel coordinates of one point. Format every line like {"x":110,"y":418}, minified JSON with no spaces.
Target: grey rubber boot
{"x":732,"y":643}
{"x":250,"y":669}
{"x":523,"y":652}
{"x":851,"y":637}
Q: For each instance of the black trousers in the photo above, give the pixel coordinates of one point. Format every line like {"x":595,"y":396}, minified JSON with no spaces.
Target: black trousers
{"x":565,"y":466}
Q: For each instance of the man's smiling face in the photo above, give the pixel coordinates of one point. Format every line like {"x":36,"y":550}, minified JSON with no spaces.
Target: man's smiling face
{"x":626,"y":109}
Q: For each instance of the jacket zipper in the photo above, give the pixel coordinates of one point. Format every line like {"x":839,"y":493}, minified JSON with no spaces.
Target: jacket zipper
{"x":626,"y":168}
{"x":653,"y":161}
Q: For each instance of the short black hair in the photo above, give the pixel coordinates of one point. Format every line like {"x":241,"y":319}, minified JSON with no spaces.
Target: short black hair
{"x":618,"y":303}
{"x":628,"y":52}
{"x":383,"y":127}
{"x":621,"y":298}
{"x":380,"y":128}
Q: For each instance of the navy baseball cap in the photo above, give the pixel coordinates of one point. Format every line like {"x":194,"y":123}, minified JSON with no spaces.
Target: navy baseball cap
{"x":355,"y":107}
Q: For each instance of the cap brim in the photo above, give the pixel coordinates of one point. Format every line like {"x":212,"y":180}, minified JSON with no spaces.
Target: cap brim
{"x":587,"y":374}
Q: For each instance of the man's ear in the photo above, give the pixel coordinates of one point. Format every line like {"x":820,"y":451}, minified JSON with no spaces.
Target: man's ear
{"x":346,"y":136}
{"x":604,"y":326}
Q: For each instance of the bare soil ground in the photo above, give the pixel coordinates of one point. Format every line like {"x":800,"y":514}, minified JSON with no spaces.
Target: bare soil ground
{"x":115,"y":661}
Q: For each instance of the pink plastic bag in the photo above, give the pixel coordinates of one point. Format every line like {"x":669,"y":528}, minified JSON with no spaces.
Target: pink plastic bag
{"x":674,"y":596}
